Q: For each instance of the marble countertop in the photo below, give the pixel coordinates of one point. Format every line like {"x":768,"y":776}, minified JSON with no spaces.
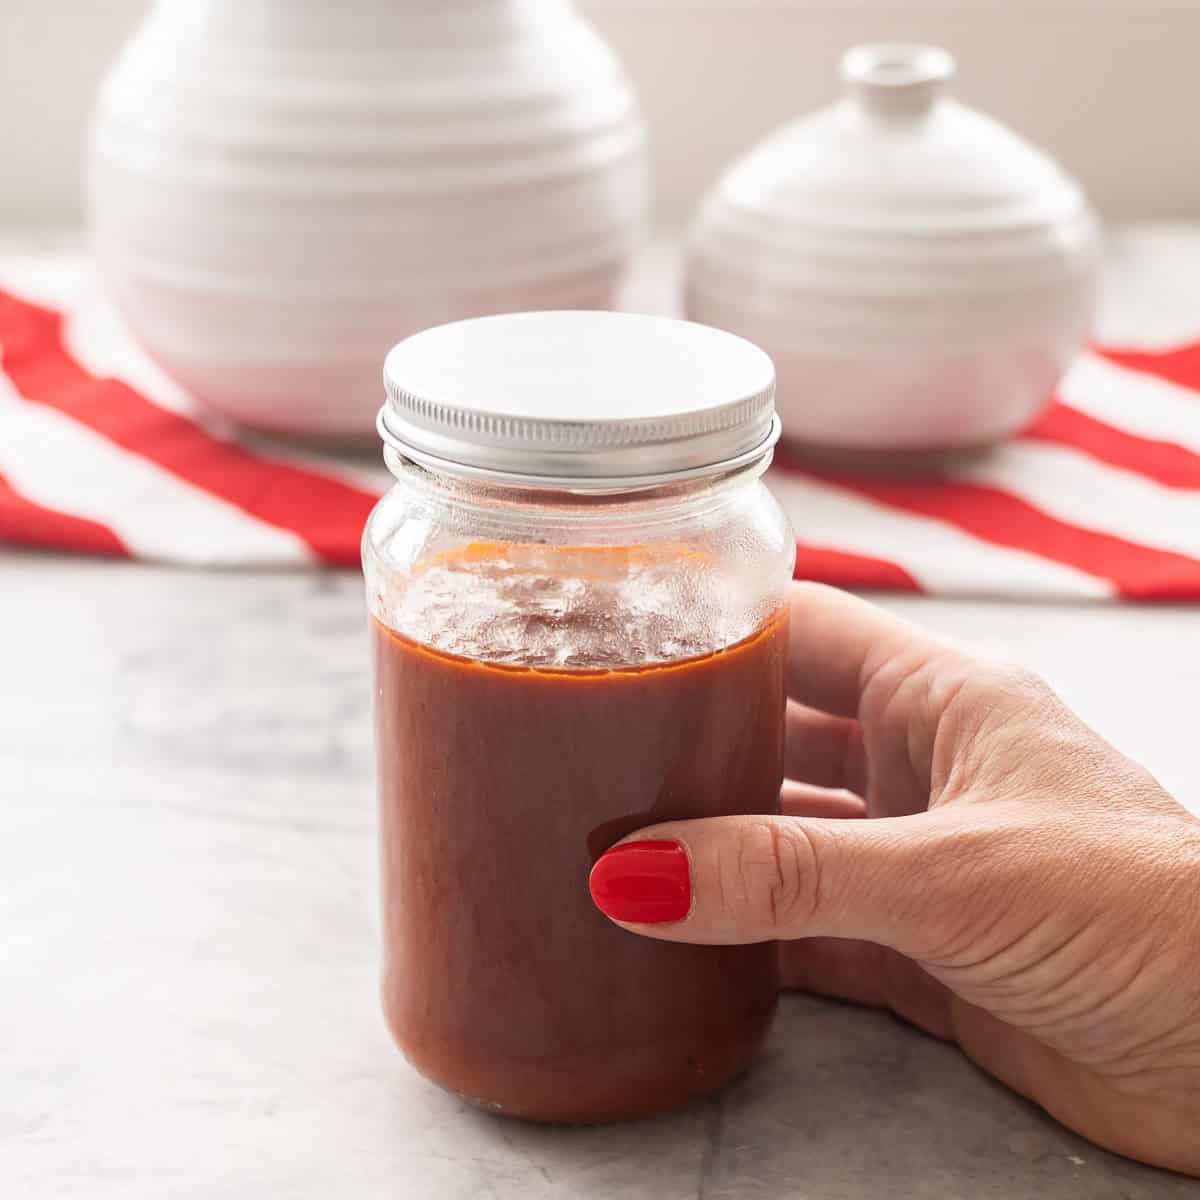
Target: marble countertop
{"x":187,"y":974}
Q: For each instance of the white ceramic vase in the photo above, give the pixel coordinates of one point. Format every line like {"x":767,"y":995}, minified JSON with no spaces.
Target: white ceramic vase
{"x":921,"y":275}
{"x":280,"y":190}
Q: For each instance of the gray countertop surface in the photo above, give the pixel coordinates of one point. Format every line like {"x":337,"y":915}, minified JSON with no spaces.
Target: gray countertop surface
{"x":187,"y":974}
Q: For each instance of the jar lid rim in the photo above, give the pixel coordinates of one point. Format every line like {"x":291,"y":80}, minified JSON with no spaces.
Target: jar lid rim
{"x":574,"y":483}
{"x":581,"y":399}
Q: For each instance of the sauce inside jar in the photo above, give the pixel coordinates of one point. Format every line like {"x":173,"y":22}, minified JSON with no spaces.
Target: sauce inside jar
{"x":534,"y":705}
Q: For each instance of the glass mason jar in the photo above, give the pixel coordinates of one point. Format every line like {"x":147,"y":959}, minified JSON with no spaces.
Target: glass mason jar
{"x":577,"y":588}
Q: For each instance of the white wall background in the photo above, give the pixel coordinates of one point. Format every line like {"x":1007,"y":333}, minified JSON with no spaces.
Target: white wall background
{"x":1110,"y":86}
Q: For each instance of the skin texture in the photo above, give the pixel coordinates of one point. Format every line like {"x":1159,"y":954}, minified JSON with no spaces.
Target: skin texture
{"x":1022,"y":889}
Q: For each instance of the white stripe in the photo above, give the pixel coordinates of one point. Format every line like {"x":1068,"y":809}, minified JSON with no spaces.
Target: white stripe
{"x":1074,"y":487}
{"x":1133,"y":402}
{"x":58,"y":463}
{"x":45,"y":267}
{"x":941,"y":558}
{"x":1149,"y":295}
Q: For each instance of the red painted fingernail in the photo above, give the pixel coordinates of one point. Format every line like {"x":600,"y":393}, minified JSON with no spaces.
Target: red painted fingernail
{"x":642,"y":883}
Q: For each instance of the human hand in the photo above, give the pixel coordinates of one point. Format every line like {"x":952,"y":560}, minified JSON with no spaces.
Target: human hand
{"x":1027,"y":892}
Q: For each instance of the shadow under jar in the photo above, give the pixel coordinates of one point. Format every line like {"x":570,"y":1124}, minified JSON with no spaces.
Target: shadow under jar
{"x":578,"y":596}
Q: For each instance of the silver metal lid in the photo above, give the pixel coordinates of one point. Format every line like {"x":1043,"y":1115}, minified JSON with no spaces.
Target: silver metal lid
{"x":579,"y":400}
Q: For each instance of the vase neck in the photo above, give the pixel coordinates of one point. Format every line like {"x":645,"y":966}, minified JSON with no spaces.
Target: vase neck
{"x":896,"y":80}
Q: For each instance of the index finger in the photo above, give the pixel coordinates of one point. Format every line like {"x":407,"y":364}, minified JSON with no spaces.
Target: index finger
{"x":837,"y":642}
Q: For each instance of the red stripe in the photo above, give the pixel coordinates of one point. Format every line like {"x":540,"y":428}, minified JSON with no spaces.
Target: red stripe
{"x":822,"y":564}
{"x":995,"y":516}
{"x":24,"y":523}
{"x":1164,"y":462}
{"x":1180,"y":365}
{"x":327,"y":514}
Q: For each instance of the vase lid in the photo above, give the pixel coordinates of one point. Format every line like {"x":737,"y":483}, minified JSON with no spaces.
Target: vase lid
{"x":898,"y":156}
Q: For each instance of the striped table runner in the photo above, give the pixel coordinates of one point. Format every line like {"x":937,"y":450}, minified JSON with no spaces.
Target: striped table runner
{"x":1099,"y":499}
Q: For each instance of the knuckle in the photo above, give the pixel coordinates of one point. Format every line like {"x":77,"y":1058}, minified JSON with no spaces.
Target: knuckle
{"x":773,"y":872}
{"x":892,"y":682}
{"x":1015,"y":681}
{"x":983,"y":709}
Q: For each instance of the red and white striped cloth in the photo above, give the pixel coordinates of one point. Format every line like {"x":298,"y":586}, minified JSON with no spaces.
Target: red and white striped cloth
{"x":1099,"y":499}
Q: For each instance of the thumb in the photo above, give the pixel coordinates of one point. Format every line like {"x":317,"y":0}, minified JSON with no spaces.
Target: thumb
{"x":896,"y":881}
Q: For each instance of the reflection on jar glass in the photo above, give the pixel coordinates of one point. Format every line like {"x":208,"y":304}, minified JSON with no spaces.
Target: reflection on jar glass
{"x":577,"y":591}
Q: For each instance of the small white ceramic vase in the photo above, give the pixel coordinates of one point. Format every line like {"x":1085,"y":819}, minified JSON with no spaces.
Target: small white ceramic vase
{"x":921,"y":275}
{"x":280,"y":190}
